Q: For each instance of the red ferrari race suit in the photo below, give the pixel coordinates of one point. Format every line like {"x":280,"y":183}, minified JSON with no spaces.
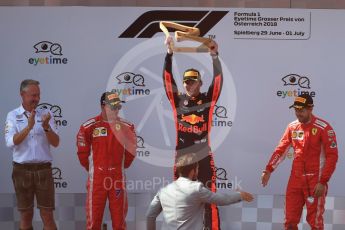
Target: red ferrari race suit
{"x":104,"y":150}
{"x":315,"y":158}
{"x":193,"y":119}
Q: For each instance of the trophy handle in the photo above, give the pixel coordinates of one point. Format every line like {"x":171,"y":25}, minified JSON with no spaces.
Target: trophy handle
{"x":184,"y":33}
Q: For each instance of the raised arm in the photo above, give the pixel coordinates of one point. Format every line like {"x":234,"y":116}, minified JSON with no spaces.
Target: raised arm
{"x":217,"y":83}
{"x":168,"y":80}
{"x":50,"y":129}
{"x":221,"y":199}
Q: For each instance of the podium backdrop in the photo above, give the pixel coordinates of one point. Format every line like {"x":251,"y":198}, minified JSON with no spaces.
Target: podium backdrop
{"x":268,"y":57}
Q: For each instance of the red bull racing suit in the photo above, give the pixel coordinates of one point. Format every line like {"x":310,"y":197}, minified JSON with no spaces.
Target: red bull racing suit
{"x":104,"y":150}
{"x":315,"y":158}
{"x":193,"y":119}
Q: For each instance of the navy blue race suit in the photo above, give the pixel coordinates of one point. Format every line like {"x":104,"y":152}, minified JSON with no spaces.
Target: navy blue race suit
{"x":193,"y":120}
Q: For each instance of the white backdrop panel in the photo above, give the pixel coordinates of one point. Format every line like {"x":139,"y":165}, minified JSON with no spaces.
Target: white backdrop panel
{"x":250,"y":117}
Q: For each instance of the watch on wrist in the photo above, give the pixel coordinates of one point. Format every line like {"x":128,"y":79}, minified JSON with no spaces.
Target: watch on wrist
{"x":47,"y":130}
{"x":214,"y":55}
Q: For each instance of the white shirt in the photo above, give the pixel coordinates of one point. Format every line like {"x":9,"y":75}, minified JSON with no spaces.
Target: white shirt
{"x":35,"y":148}
{"x":182,"y":203}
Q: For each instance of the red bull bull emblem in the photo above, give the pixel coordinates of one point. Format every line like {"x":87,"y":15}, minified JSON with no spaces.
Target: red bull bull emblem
{"x":193,"y":119}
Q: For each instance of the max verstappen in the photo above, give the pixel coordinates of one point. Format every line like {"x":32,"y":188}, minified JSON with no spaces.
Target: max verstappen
{"x":193,"y":112}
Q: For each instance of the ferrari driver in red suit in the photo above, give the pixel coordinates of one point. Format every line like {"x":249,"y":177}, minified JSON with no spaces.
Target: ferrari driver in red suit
{"x":315,"y":156}
{"x":106,"y":146}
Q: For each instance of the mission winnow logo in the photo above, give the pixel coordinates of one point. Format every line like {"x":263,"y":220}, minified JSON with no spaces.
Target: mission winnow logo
{"x":147,"y":24}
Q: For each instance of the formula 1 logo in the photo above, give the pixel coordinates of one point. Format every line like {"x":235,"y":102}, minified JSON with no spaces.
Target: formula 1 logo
{"x":147,"y":24}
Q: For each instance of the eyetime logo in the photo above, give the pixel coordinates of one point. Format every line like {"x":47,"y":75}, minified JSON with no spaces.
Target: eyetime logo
{"x":136,"y":80}
{"x":300,"y":84}
{"x":58,"y":180}
{"x":222,"y":179}
{"x":141,"y":149}
{"x":224,"y":183}
{"x":147,"y":24}
{"x":56,"y":111}
{"x":49,"y":53}
{"x":221,"y":117}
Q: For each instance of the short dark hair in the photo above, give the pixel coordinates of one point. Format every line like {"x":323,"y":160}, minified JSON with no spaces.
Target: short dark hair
{"x":25,"y":83}
{"x":102,"y":101}
{"x":186,"y":163}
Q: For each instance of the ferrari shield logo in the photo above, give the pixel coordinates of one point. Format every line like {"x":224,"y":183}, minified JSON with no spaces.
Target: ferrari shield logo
{"x":314,"y":131}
